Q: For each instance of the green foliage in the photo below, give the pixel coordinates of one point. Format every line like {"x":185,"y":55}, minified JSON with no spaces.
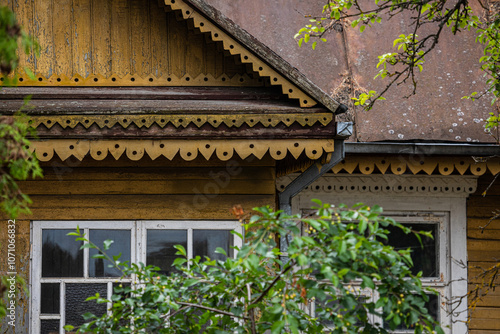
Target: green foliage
{"x":16,"y":163}
{"x":11,"y":36}
{"x":408,"y":58}
{"x":341,"y":254}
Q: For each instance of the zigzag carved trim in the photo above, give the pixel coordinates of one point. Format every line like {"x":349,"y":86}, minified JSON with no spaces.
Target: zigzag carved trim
{"x":416,"y":164}
{"x":234,"y":120}
{"x":186,"y":149}
{"x":236,"y":48}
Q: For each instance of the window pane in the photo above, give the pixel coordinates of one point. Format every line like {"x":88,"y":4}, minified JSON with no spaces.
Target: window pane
{"x":76,"y":294}
{"x":121,"y":238}
{"x":61,"y":254}
{"x":424,"y":259}
{"x":206,"y":241}
{"x":160,"y":250}
{"x":49,"y":326}
{"x":433,"y":306}
{"x":50,"y":298}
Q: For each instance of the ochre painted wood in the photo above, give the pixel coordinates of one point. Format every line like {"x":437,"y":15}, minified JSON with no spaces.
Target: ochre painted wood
{"x":159,"y":41}
{"x":61,"y":25}
{"x":140,"y":37}
{"x":142,"y":207}
{"x":101,"y":37}
{"x":24,"y":15}
{"x":110,"y":191}
{"x":483,"y":250}
{"x":81,"y":38}
{"x":144,"y":188}
{"x":177,"y":31}
{"x":120,"y":42}
{"x":42,"y":30}
{"x":55,"y":172}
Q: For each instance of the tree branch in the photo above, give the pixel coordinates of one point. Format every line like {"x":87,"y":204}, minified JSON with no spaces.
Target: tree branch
{"x":264,"y":293}
{"x":212,"y":309}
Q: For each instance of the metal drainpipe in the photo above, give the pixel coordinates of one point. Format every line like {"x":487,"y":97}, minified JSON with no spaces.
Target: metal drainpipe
{"x":344,"y":130}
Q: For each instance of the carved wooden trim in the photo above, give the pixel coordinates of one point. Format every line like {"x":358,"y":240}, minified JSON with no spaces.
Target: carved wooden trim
{"x":96,"y":80}
{"x":235,"y":48}
{"x":186,"y":149}
{"x":399,"y":165}
{"x":234,"y":120}
{"x":396,"y":185}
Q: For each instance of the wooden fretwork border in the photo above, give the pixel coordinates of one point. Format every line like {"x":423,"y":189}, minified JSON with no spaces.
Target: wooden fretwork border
{"x":188,"y":150}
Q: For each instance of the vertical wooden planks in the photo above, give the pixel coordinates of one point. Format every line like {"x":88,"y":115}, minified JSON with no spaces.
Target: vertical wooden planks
{"x":24,"y":14}
{"x":140,"y":39}
{"x":120,"y":38}
{"x":43,"y":32}
{"x":61,"y":24}
{"x":8,"y":3}
{"x":82,"y":38}
{"x":195,"y":60}
{"x":159,"y":40}
{"x":177,"y":43}
{"x":101,"y":37}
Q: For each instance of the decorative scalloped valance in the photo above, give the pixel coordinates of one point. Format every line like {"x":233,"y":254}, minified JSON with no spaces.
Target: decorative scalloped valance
{"x":233,"y":120}
{"x":396,"y":185}
{"x":416,"y":164}
{"x":186,"y":149}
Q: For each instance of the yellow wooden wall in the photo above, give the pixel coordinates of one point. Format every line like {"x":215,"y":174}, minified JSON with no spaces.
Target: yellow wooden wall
{"x":128,"y":190}
{"x":114,"y":38}
{"x":484,"y":251}
{"x":146,"y":189}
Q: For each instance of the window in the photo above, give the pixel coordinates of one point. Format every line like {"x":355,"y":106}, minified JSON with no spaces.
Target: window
{"x":427,"y":201}
{"x":63,"y":276}
{"x":429,"y":257}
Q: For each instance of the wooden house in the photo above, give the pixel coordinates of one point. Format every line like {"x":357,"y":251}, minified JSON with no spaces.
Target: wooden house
{"x":153,"y":120}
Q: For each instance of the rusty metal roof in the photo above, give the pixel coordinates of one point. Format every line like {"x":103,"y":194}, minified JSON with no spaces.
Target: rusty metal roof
{"x":348,"y":61}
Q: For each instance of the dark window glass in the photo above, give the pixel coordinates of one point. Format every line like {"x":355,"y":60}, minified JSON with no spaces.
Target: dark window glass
{"x":121,"y":244}
{"x":61,"y":254}
{"x":206,"y":241}
{"x":160,"y":247}
{"x":50,"y":298}
{"x":76,"y":294}
{"x":433,"y":306}
{"x":49,"y":326}
{"x":425,"y":254}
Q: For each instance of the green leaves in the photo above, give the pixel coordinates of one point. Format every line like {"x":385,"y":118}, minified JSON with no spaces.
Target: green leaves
{"x":329,"y":269}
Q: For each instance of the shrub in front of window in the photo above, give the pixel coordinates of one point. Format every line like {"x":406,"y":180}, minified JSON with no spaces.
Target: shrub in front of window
{"x":335,"y":261}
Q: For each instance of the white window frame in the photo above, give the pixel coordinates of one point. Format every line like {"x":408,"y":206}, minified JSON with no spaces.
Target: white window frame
{"x":138,"y":237}
{"x":438,"y":196}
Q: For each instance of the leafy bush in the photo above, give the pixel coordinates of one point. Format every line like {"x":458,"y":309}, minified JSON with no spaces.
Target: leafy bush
{"x":325,"y":270}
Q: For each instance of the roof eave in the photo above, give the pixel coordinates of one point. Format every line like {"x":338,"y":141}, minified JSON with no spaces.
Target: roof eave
{"x":268,"y":55}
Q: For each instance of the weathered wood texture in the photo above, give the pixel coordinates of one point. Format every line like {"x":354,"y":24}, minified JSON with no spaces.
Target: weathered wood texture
{"x":128,"y":190}
{"x":484,"y":252}
{"x":105,"y":38}
{"x":178,"y":192}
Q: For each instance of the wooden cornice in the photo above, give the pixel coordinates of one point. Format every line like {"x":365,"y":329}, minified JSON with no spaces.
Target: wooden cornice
{"x":188,"y":150}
